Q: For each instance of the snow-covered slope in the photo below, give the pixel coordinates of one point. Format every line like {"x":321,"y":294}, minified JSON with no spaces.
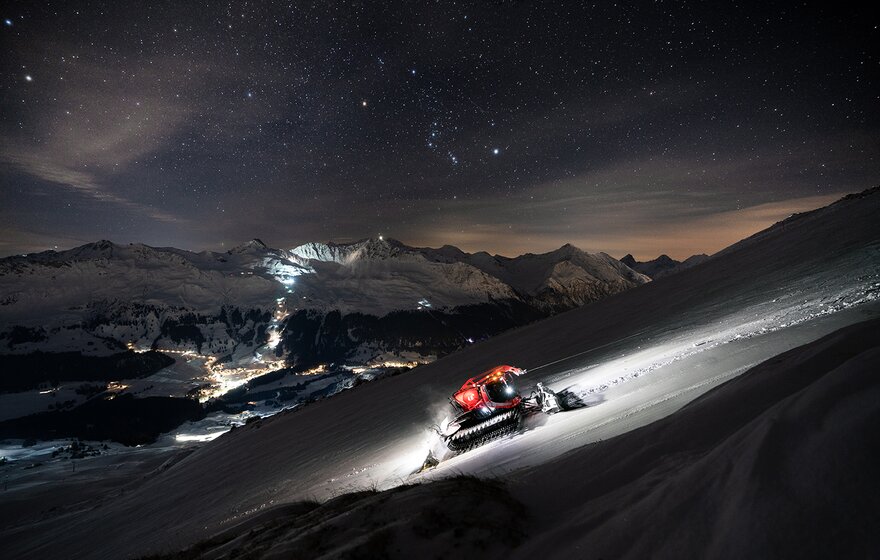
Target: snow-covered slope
{"x":644,"y":354}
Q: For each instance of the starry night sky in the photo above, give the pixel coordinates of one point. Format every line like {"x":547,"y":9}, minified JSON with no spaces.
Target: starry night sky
{"x":663,"y":127}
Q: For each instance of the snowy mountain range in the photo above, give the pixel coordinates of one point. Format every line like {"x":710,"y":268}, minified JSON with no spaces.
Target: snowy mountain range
{"x":378,"y":276}
{"x":318,"y":301}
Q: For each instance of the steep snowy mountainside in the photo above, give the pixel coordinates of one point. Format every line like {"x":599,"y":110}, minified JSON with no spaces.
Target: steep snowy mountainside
{"x":663,"y":265}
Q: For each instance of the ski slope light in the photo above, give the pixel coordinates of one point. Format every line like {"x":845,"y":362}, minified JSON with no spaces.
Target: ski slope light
{"x":274,"y":339}
{"x":199,"y":437}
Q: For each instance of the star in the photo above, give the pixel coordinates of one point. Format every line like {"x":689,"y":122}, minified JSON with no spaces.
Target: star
{"x":496,"y":151}
{"x":364,"y":103}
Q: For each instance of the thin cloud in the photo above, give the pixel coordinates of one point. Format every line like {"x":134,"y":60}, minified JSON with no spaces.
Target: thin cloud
{"x":41,"y":167}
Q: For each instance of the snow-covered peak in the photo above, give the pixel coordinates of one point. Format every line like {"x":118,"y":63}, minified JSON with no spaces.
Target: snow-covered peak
{"x":347,"y":253}
{"x":446,"y":254}
{"x":324,"y":252}
{"x":98,"y":250}
{"x":249,"y":247}
{"x":378,"y":248}
{"x":101,"y":247}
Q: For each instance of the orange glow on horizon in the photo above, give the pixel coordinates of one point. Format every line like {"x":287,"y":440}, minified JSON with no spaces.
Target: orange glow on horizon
{"x":691,"y":236}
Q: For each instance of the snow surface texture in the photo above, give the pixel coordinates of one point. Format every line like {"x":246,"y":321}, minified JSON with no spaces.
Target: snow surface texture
{"x":646,"y":353}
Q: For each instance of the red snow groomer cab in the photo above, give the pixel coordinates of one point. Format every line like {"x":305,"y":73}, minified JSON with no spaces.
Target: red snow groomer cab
{"x":491,"y":389}
{"x":486,"y":407}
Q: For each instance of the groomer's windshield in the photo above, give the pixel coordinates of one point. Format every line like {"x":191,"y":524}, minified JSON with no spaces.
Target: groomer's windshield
{"x":501,"y":391}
